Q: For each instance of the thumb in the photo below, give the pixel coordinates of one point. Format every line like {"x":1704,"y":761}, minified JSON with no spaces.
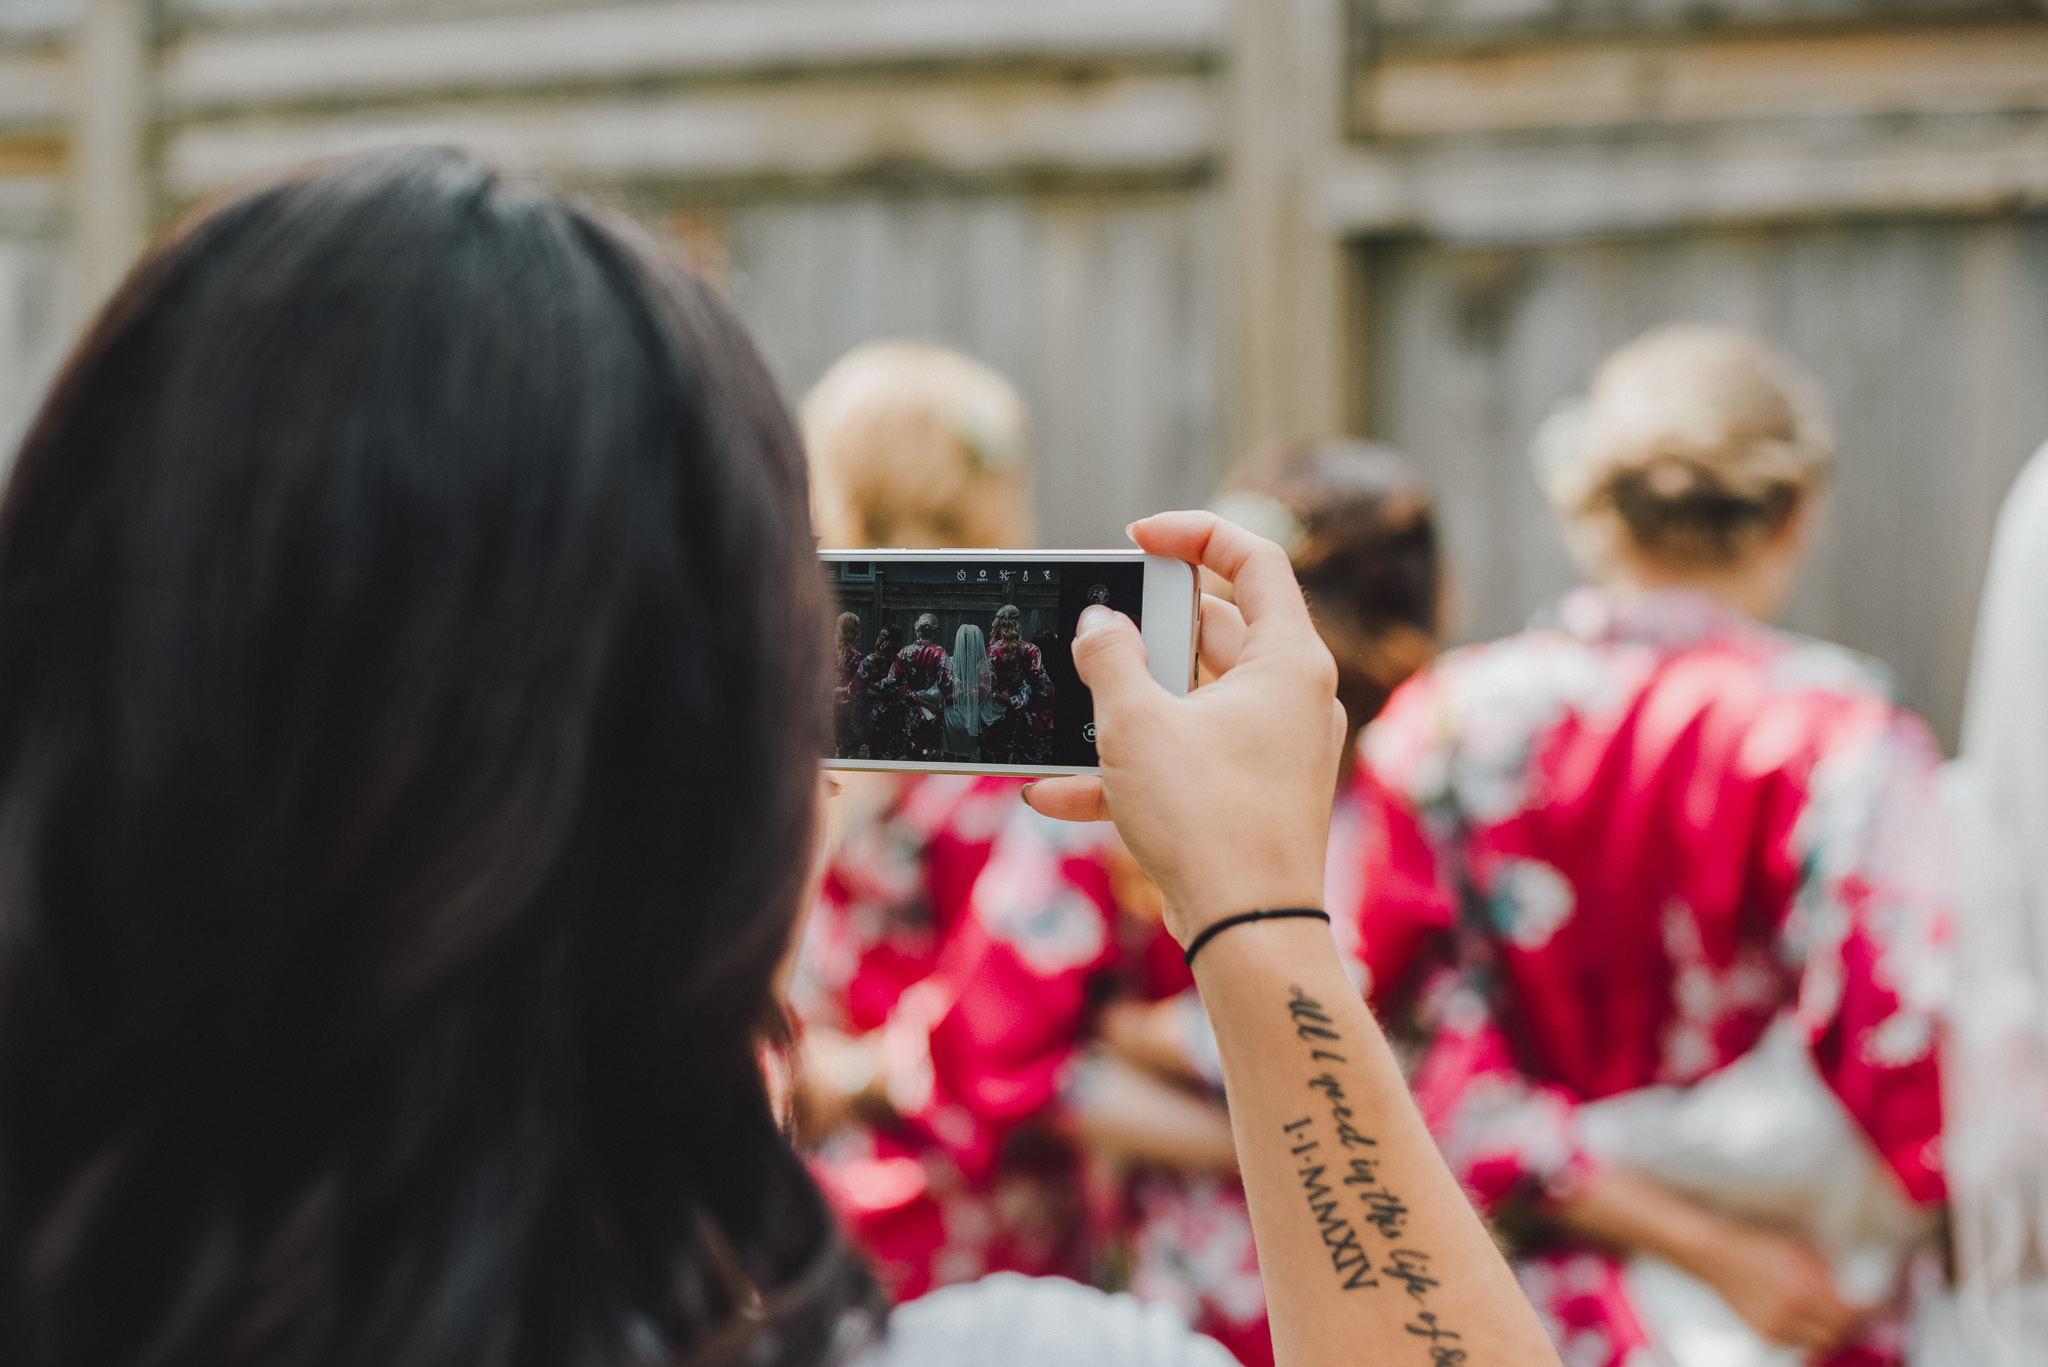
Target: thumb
{"x":1109,"y":654}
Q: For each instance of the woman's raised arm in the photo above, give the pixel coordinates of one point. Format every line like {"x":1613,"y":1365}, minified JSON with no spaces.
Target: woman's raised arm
{"x":1369,"y":1251}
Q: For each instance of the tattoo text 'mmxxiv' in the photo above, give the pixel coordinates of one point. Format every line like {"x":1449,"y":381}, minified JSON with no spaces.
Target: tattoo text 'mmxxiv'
{"x":1348,"y":1165}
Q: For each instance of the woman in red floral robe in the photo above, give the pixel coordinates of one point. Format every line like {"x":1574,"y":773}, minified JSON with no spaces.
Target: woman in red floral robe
{"x":1662,"y":832}
{"x":1022,"y":732}
{"x":923,"y":678}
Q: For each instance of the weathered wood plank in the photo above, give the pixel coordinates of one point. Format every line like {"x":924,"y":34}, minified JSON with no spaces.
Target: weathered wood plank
{"x":34,"y":85}
{"x":803,"y":131}
{"x":37,"y":20}
{"x":1976,"y":69}
{"x":35,"y":318}
{"x":1568,"y":187}
{"x":31,"y":206}
{"x":229,"y":68}
{"x":1286,"y":104}
{"x":111,"y":194}
{"x":1412,"y":23}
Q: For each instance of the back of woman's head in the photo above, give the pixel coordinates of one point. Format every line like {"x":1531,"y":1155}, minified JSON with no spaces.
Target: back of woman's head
{"x":1356,"y":522}
{"x":914,"y":445}
{"x":404,"y":595}
{"x":1696,"y":445}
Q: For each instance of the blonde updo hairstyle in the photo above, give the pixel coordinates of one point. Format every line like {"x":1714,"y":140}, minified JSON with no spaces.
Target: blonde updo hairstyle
{"x":914,"y":445}
{"x":1695,"y":447}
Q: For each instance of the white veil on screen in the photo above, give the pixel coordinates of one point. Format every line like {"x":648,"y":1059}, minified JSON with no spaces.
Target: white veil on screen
{"x":1996,"y":1067}
{"x":969,"y":710}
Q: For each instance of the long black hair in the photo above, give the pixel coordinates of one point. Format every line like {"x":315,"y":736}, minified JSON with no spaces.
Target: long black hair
{"x":409,"y":631}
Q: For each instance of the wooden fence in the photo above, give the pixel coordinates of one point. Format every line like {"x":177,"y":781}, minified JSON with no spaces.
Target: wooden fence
{"x":1188,"y":226}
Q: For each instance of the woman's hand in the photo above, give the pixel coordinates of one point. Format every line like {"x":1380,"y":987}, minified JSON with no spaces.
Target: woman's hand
{"x":1223,"y":796}
{"x":1780,"y":1285}
{"x":1148,"y":1035}
{"x":1128,"y":1115}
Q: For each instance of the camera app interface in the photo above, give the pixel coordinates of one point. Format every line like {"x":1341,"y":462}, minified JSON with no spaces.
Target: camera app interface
{"x":967,"y":661}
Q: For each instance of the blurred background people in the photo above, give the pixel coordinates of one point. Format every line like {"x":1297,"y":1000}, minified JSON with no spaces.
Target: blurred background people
{"x":1672,"y":840}
{"x":1357,"y":525}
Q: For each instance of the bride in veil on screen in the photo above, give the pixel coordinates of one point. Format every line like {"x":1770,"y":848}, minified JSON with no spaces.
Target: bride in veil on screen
{"x":971,"y":707}
{"x":1997,"y":1055}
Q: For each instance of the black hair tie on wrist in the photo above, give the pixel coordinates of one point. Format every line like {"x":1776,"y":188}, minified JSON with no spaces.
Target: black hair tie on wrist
{"x":1216,"y":928}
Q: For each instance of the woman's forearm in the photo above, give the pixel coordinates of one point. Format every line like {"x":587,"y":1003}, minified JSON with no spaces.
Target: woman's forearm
{"x":1622,"y":1208}
{"x":1128,"y":1114}
{"x":1368,"y":1249}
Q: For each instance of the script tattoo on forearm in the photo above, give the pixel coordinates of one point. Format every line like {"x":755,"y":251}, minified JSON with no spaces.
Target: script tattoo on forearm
{"x":1349,"y":1165}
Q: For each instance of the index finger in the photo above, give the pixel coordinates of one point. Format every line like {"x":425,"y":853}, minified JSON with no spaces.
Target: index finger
{"x":1261,"y":579}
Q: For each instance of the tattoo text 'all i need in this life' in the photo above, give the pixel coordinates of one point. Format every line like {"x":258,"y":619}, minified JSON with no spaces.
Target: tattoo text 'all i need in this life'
{"x":1339,"y":1171}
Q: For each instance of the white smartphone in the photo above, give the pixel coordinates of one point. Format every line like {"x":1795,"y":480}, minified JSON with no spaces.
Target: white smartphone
{"x":961,"y":661}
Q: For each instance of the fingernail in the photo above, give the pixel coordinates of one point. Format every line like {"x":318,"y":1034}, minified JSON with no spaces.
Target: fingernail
{"x":1025,"y":793}
{"x":1128,"y":528}
{"x":1093,"y":617}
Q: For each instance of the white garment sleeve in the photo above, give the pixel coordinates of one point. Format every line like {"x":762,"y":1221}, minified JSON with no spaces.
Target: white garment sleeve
{"x":1008,"y":1320}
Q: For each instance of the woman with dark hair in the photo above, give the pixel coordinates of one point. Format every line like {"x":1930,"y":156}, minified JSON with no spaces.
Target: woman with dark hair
{"x":405,"y":595}
{"x":410,"y":637}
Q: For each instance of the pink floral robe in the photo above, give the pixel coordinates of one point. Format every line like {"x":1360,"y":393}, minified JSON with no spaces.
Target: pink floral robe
{"x":921,"y":667}
{"x":968,"y":931}
{"x":1662,"y":826}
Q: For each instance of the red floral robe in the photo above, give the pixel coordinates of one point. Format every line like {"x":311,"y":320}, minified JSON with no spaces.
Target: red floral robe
{"x":1022,"y":732}
{"x":968,"y":930}
{"x":921,"y":667}
{"x":1662,"y":826}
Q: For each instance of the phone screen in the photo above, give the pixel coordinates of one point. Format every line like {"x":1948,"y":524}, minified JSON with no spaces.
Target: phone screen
{"x":967,"y":661}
